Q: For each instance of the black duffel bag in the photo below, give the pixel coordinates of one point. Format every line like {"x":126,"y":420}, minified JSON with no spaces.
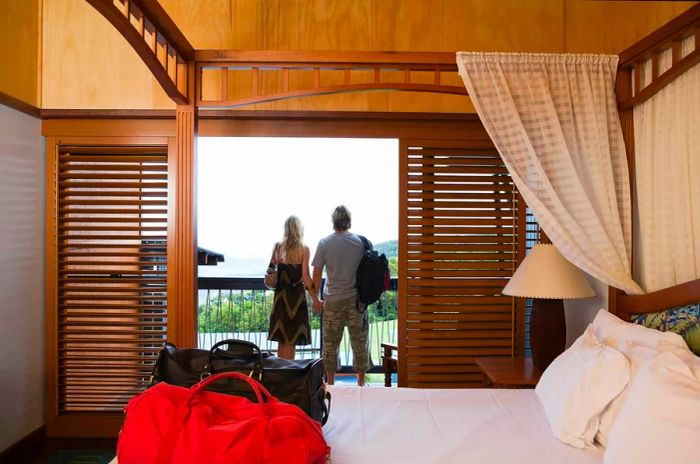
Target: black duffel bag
{"x":301,"y":381}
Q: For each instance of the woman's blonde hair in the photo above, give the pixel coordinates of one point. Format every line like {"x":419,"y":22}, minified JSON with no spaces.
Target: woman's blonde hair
{"x":293,"y":236}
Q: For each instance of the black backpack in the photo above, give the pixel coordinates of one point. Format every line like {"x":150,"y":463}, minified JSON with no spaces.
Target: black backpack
{"x":372,"y":275}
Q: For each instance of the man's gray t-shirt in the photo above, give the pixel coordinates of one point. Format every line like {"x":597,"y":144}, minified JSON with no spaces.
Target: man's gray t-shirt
{"x":340,"y":253}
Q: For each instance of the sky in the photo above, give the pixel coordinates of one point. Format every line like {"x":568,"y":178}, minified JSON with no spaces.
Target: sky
{"x":248,"y":186}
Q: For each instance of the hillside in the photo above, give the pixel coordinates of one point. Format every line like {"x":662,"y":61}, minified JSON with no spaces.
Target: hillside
{"x":390,"y":248}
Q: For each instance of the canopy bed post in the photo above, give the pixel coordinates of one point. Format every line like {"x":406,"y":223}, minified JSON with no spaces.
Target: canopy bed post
{"x":623,"y":91}
{"x":639,"y":77}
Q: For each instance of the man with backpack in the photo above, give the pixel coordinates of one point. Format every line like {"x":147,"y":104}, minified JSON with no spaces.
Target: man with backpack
{"x":340,"y":253}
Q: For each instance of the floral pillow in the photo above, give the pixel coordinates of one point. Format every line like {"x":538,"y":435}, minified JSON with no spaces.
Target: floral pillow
{"x":684,"y":320}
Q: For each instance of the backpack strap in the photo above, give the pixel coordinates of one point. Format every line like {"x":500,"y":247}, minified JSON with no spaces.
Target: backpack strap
{"x":365,"y":242}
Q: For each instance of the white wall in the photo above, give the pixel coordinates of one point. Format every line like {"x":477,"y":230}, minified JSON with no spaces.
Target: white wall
{"x":22,"y":187}
{"x":580,"y":313}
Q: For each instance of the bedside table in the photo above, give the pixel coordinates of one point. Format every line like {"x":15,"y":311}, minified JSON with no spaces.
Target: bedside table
{"x":507,"y":372}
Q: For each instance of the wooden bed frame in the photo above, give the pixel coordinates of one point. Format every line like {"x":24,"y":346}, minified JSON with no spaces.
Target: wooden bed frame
{"x":660,"y":300}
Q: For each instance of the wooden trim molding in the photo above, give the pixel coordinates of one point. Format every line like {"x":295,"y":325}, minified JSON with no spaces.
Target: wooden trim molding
{"x":26,"y":448}
{"x":446,"y":60}
{"x":51,"y":285}
{"x":402,"y":300}
{"x":108,"y":128}
{"x":182,"y":233}
{"x":19,"y":105}
{"x":340,"y":124}
{"x":106,"y":114}
{"x":226,"y":114}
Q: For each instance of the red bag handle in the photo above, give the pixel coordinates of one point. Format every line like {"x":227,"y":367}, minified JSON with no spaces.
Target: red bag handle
{"x":169,"y":441}
{"x":256,"y":387}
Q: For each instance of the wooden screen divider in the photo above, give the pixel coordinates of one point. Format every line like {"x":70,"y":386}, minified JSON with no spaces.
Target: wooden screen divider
{"x":107,"y":270}
{"x":461,"y":237}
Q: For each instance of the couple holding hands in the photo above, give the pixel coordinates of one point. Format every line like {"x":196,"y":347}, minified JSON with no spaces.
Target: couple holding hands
{"x":340,"y":254}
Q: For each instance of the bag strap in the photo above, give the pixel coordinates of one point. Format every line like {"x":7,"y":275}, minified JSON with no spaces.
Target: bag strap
{"x":196,"y":389}
{"x":326,"y":409}
{"x":274,"y":259}
{"x":365,"y":243}
{"x":257,"y":352}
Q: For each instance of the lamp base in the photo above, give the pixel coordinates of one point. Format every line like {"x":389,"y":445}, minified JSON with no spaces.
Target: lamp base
{"x":547,"y":331}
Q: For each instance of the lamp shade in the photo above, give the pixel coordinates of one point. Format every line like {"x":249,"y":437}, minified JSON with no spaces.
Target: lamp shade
{"x":545,"y":273}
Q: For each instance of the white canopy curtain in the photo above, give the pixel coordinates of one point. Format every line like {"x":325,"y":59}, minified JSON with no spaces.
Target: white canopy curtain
{"x":667,"y":165}
{"x":554,"y":120}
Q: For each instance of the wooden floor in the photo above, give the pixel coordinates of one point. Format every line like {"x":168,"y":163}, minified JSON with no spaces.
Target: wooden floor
{"x":64,"y":452}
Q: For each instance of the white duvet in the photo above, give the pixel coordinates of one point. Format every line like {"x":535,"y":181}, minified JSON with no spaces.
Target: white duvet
{"x":390,"y":425}
{"x":404,"y":425}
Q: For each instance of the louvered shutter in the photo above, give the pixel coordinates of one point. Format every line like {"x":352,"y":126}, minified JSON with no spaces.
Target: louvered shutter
{"x":459,"y":243}
{"x":111,"y":243}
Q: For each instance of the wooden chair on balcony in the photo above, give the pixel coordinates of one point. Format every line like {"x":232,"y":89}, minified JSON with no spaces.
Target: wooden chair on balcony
{"x":389,"y":362}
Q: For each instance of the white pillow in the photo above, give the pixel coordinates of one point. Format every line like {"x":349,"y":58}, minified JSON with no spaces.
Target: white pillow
{"x":578,"y":385}
{"x":637,"y":355}
{"x":612,"y":330}
{"x":660,"y":420}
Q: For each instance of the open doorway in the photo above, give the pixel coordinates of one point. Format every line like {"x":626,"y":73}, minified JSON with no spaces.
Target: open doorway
{"x":248,"y":186}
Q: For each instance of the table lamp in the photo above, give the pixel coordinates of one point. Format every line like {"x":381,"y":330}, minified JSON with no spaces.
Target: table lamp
{"x":548,"y":278}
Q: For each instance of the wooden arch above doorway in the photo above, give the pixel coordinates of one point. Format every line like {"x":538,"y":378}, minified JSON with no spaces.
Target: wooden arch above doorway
{"x":266,"y":76}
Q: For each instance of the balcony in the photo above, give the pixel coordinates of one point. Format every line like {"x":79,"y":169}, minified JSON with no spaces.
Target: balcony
{"x":240,"y":308}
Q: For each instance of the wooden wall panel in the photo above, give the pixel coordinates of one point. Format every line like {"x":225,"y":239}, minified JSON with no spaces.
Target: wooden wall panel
{"x":206,"y":24}
{"x":20,"y":37}
{"x":88,"y":65}
{"x":612,"y":26}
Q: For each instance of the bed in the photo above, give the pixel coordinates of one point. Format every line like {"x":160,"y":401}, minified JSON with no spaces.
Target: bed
{"x":405,"y":425}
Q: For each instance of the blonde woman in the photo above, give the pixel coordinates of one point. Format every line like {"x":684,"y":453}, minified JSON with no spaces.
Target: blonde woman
{"x":289,"y":322}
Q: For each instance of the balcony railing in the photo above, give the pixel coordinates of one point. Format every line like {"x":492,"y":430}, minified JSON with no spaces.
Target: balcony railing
{"x":240,"y":308}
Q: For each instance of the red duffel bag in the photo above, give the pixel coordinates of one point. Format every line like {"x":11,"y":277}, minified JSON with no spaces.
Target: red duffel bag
{"x":167,"y":424}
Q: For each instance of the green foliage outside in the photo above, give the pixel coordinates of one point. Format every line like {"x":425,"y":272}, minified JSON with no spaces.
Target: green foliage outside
{"x":249,"y":311}
{"x":391,"y":251}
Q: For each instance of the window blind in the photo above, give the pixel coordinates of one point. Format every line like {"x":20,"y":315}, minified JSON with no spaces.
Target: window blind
{"x":112,"y":232}
{"x":462,"y":236}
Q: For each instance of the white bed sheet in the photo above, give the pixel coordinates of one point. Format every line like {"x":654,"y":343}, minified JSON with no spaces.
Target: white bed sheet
{"x":413,"y":426}
{"x":390,"y":425}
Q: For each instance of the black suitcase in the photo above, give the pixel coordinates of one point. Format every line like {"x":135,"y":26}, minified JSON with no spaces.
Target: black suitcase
{"x":301,"y":381}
